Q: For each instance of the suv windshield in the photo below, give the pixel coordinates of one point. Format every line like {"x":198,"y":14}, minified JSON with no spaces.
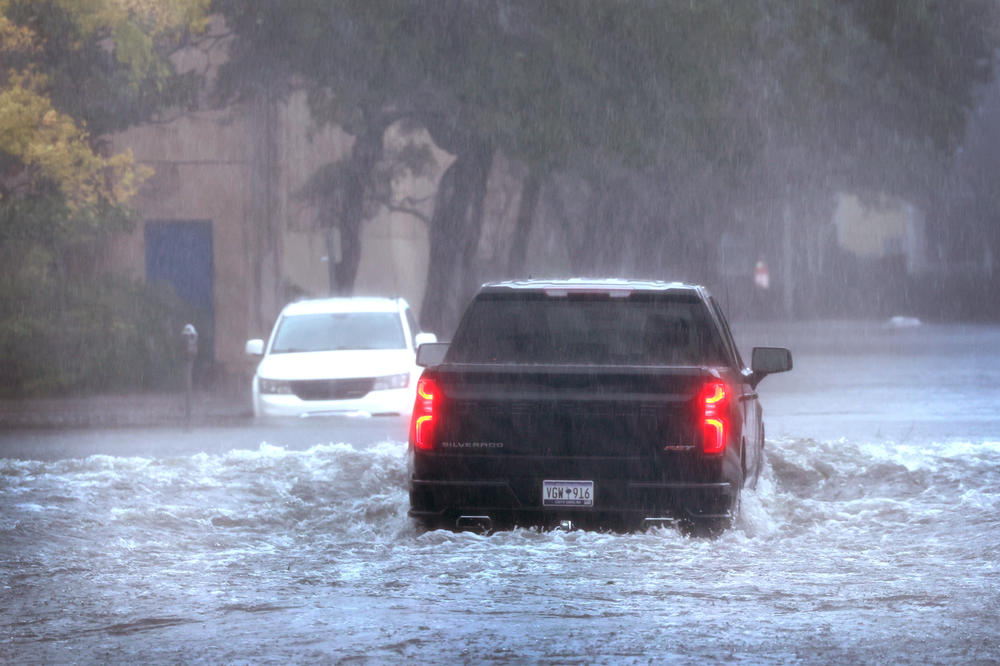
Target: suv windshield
{"x":339,"y":330}
{"x":588,"y":330}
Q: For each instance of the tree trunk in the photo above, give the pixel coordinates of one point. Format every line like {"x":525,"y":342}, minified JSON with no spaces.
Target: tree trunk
{"x":265,"y":234}
{"x":441,"y":256}
{"x":530,"y":190}
{"x":365,"y":154}
{"x":469,"y":278}
{"x":454,"y":237}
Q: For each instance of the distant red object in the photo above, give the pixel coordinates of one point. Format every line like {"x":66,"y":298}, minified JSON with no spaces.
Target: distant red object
{"x":761,"y":276}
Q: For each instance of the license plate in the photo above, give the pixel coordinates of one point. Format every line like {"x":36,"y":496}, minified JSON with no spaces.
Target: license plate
{"x":567,"y":493}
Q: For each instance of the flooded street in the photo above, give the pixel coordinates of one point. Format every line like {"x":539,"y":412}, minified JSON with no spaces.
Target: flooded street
{"x":873,"y":537}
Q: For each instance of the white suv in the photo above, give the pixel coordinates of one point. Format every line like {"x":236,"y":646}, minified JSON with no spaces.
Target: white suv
{"x":339,"y":356}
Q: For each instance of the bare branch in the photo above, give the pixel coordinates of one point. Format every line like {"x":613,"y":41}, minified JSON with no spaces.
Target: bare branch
{"x":397,"y":208}
{"x":414,"y":201}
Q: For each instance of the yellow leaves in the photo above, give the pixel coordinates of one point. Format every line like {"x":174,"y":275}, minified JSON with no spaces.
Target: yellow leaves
{"x":157,"y":17}
{"x":125,"y":176}
{"x":51,"y":146}
{"x":46,"y":145}
{"x":15,"y":38}
{"x":133,"y":25}
{"x":164,"y":15}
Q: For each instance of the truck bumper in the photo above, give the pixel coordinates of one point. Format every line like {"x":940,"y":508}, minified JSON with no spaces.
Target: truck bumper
{"x":617,"y":504}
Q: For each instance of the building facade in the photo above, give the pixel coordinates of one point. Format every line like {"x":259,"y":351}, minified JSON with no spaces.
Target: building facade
{"x":224,"y":222}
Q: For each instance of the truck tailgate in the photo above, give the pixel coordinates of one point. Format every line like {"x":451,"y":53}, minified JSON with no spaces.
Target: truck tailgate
{"x":586,"y":412}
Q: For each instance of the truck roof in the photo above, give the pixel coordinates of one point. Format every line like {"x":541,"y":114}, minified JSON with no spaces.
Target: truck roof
{"x":613,"y":286}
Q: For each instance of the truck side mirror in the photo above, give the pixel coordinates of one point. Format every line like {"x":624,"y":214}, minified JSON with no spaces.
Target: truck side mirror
{"x":769,"y":360}
{"x":431,"y":353}
{"x":255,"y":347}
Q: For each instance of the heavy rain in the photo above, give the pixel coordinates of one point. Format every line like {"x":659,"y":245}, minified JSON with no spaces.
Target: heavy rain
{"x":173,"y":173}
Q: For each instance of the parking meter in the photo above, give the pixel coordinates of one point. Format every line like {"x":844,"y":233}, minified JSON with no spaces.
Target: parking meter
{"x":190,"y":336}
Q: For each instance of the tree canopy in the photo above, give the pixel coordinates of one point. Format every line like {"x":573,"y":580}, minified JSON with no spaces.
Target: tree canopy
{"x":70,"y":72}
{"x":73,"y":71}
{"x":691,"y":109}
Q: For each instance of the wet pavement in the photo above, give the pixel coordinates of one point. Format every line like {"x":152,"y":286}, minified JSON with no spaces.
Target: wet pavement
{"x":126,"y":410}
{"x":154,"y":425}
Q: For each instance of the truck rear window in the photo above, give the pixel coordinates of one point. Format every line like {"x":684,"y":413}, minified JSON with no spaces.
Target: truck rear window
{"x":591,"y":329}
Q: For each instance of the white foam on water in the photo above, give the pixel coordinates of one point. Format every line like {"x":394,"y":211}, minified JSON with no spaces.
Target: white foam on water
{"x":840,"y":539}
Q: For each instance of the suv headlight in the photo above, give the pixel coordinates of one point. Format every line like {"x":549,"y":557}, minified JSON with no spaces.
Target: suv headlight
{"x":392,"y":382}
{"x":275,"y":386}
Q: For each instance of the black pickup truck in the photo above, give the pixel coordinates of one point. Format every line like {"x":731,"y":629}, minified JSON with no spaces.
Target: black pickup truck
{"x":605,"y":403}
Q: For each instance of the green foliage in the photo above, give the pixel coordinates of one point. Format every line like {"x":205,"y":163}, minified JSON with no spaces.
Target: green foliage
{"x":937,"y":51}
{"x":644,"y":83}
{"x":108,"y":335}
{"x":545,"y":82}
{"x":71,"y":72}
{"x":45,"y":219}
{"x":678,"y":116}
{"x":104,"y":89}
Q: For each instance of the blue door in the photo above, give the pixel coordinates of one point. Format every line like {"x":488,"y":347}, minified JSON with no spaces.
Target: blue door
{"x":179,"y":253}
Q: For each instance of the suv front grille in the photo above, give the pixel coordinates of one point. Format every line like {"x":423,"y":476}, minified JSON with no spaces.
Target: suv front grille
{"x":333,"y":389}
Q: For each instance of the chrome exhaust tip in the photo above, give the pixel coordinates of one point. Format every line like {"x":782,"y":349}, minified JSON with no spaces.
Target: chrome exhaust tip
{"x":481,"y":524}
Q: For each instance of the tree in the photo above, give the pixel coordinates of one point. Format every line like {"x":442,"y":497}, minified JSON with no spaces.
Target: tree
{"x":74,"y":72}
{"x":71,"y":72}
{"x":338,"y":54}
{"x":677,"y":117}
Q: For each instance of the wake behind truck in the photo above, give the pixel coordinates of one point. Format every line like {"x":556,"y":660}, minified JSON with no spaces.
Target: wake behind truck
{"x":593,"y":403}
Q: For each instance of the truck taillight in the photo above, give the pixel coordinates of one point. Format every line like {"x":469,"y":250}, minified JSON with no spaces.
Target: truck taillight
{"x":714,"y":401}
{"x":422,"y":421}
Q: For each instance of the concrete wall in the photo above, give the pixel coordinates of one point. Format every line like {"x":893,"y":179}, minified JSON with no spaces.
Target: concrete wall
{"x":889,"y":227}
{"x":267,"y":245}
{"x":200,"y":165}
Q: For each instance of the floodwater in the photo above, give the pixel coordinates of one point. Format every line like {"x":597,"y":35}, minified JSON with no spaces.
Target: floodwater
{"x":873,"y":537}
